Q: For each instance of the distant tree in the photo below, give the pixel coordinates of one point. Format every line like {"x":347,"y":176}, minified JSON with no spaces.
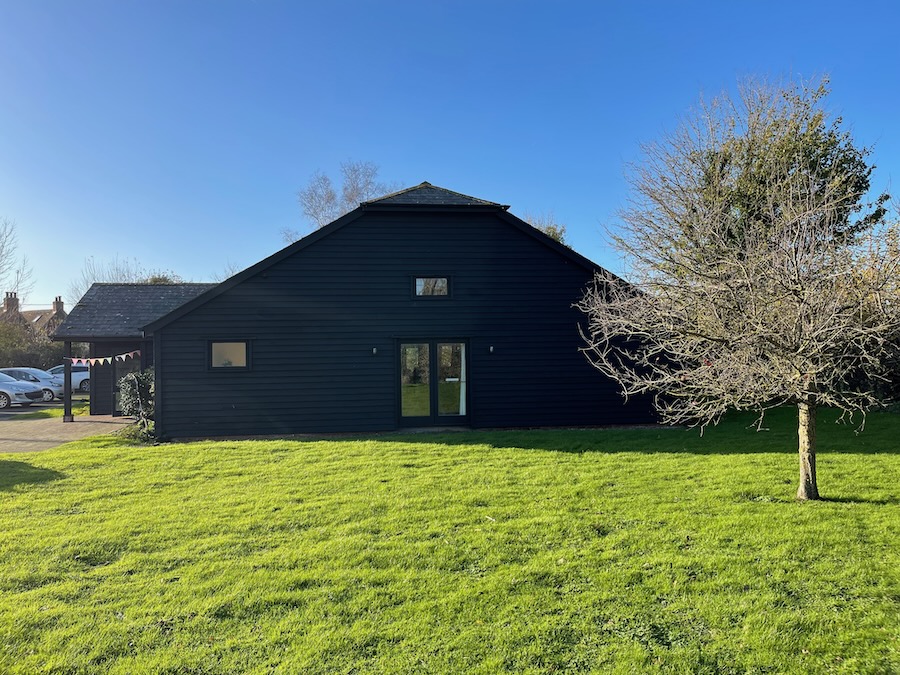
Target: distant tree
{"x":15,"y":272}
{"x":228,"y":271}
{"x":13,"y":338}
{"x":759,"y":275}
{"x":20,"y":346}
{"x":547,"y":223}
{"x":117,"y":270}
{"x":162,"y":278}
{"x":888,"y":388}
{"x":322,"y":202}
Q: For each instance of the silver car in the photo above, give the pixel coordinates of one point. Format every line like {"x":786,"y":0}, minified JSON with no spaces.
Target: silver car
{"x":51,"y":385}
{"x":81,"y":376}
{"x":13,"y":391}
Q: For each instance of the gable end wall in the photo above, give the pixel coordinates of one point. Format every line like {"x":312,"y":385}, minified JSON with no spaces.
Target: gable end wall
{"x":314,"y":319}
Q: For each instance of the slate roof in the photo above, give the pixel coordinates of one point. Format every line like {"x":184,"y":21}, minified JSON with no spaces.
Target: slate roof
{"x":426,"y":194}
{"x":120,"y":311}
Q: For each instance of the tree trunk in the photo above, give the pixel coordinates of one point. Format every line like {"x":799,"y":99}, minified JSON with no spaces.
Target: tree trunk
{"x":806,"y":434}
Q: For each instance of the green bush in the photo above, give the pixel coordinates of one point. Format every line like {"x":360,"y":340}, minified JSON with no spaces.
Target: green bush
{"x":136,"y":393}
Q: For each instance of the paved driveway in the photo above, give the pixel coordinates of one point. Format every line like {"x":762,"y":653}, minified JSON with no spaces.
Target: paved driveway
{"x":30,"y":435}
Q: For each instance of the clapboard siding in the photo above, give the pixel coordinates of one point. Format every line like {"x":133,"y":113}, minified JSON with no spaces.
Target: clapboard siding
{"x":314,"y":317}
{"x":103,"y":375}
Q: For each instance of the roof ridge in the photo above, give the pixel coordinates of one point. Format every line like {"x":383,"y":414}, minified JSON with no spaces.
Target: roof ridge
{"x":424,"y":183}
{"x":474,"y":201}
{"x":148,"y":283}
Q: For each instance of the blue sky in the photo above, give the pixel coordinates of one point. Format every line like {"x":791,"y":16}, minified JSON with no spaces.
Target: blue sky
{"x":178,"y":133}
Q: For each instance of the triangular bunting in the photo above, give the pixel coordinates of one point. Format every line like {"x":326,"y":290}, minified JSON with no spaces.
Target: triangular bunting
{"x":78,"y":361}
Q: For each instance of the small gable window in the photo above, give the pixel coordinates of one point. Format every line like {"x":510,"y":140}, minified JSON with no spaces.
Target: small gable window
{"x":432,"y":286}
{"x":230,"y":355}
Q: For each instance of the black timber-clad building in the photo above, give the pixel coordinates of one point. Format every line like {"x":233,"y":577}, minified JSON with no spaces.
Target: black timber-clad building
{"x":110,"y":318}
{"x":422,"y":308}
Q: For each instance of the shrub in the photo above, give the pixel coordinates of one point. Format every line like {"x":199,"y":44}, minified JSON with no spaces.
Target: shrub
{"x":136,"y":392}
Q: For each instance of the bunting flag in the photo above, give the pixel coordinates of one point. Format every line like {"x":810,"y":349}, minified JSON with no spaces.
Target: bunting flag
{"x":104,"y":359}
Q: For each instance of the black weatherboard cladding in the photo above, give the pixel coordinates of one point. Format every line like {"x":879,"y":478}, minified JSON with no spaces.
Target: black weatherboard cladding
{"x":314,"y":316}
{"x":103,"y":376}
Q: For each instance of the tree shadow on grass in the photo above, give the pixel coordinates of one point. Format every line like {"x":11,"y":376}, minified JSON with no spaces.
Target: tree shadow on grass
{"x":860,"y":500}
{"x":14,"y":473}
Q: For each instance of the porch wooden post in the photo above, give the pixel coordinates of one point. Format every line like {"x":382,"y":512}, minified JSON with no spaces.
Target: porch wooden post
{"x":67,"y":383}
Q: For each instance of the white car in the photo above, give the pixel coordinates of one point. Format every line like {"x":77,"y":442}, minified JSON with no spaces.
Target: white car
{"x":51,"y":385}
{"x":15,"y":391}
{"x":81,"y":376}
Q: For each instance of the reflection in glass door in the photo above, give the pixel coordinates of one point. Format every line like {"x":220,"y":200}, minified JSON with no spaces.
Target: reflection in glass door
{"x":451,"y":378}
{"x":415,"y":371}
{"x":433,"y":382}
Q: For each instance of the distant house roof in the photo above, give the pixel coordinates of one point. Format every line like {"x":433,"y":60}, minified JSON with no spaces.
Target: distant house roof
{"x":37,"y":321}
{"x":426,"y":194}
{"x":120,"y":311}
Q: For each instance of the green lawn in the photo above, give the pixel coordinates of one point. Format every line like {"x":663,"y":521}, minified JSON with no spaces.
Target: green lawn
{"x":79,"y":407}
{"x":628,"y":551}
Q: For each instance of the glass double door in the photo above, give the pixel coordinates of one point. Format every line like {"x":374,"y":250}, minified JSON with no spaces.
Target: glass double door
{"x":433,"y":382}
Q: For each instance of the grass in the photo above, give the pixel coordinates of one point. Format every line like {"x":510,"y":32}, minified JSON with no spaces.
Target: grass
{"x":621,"y":551}
{"x":79,"y":407}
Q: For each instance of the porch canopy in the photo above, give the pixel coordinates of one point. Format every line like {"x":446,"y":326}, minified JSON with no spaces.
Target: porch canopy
{"x":111,"y":318}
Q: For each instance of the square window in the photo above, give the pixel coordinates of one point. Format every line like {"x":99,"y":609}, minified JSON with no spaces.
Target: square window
{"x":432,"y":286}
{"x":229,"y":354}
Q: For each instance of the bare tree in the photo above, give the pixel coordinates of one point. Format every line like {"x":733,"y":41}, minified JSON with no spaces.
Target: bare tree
{"x":229,"y":270}
{"x":322,"y":202}
{"x":752,"y":305}
{"x":117,"y":270}
{"x":15,"y":272}
{"x":547,"y":223}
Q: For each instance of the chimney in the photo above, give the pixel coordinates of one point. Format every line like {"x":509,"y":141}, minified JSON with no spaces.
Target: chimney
{"x":11,"y":302}
{"x":58,"y":304}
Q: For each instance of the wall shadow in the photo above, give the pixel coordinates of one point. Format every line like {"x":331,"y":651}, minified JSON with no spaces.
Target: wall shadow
{"x":736,"y":434}
{"x":14,"y":473}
